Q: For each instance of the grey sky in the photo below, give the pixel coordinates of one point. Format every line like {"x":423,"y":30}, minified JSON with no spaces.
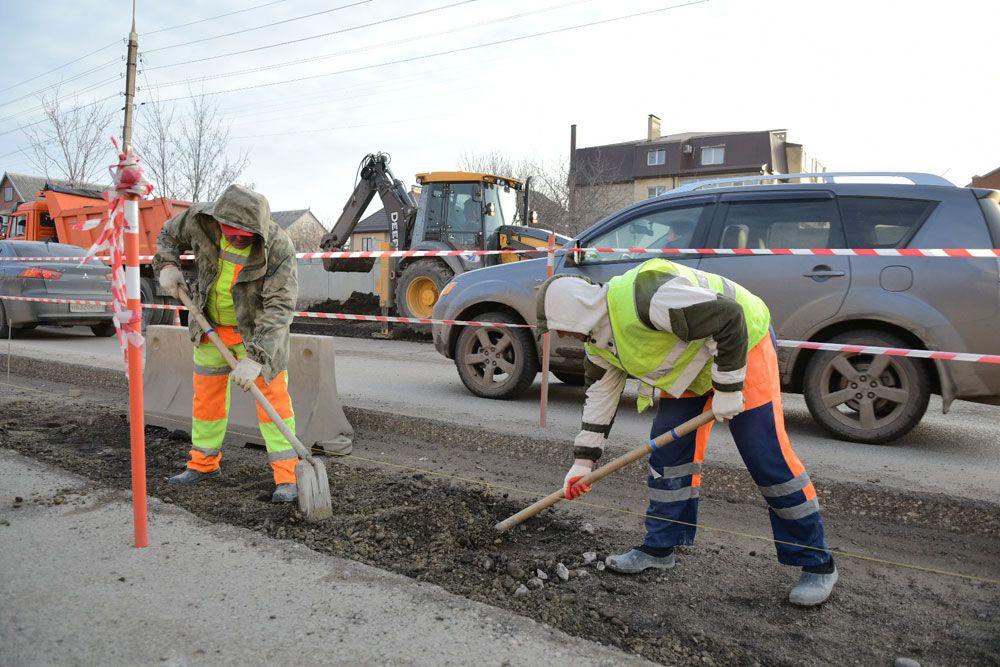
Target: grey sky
{"x":881,"y":84}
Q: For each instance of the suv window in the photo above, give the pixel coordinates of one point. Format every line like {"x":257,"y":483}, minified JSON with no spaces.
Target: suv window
{"x":780,"y":224}
{"x":665,"y":228}
{"x":878,"y":222}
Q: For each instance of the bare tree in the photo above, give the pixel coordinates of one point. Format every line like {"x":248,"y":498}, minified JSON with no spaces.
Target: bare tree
{"x":188,"y":154}
{"x":156,"y":144}
{"x":566,"y":202}
{"x":70,"y":143}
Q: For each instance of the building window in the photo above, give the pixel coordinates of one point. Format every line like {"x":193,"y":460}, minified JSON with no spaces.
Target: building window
{"x":8,"y":193}
{"x":656,"y":157}
{"x":655,"y":191}
{"x":713,"y":155}
{"x":367,"y":243}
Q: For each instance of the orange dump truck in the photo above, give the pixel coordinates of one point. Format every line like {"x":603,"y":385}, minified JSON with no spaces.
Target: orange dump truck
{"x":55,"y":215}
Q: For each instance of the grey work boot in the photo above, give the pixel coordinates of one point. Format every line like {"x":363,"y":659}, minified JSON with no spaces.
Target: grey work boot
{"x":635,"y":561}
{"x":285,"y":493}
{"x":190,"y":477}
{"x":813,"y":588}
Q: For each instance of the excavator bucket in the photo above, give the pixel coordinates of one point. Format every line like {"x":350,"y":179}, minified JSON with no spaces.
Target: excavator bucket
{"x":320,"y":421}
{"x":350,"y":264}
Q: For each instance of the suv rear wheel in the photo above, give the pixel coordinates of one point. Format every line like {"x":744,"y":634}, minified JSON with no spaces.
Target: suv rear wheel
{"x":496,"y":363}
{"x":866,"y":398}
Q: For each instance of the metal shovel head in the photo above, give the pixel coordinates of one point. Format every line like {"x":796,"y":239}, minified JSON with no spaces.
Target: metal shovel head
{"x":314,"y":490}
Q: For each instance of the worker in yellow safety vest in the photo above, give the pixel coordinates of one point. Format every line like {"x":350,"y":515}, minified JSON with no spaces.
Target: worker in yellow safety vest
{"x":247,"y":288}
{"x":702,"y":342}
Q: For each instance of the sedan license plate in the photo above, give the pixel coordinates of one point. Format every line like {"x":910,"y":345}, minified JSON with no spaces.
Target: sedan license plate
{"x":85,"y":308}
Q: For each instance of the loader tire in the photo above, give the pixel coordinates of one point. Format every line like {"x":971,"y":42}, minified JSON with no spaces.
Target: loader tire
{"x":420,"y":286}
{"x":147,"y":293}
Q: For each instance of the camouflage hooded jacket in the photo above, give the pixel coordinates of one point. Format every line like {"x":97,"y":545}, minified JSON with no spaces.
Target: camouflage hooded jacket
{"x":267,"y":288}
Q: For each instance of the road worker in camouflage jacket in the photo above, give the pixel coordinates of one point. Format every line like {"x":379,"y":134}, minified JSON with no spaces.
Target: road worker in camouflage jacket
{"x":247,"y":288}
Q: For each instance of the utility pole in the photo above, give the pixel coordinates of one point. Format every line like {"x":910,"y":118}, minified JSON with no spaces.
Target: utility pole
{"x":130,"y":66}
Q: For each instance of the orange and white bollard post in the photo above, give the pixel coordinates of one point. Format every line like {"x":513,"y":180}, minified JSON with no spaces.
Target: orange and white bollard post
{"x":137,"y":419}
{"x":550,"y":267}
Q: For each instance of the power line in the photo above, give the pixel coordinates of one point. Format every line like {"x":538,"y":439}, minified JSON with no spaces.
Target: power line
{"x":212,"y":18}
{"x":74,"y":94}
{"x":109,"y":45}
{"x":261,"y":27}
{"x":68,"y":111}
{"x":464,"y":49}
{"x":56,"y":69}
{"x":325,"y":34}
{"x":396,"y":42}
{"x":61,"y":82}
{"x":347,"y":127}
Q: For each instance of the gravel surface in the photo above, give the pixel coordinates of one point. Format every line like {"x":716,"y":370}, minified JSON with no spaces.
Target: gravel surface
{"x":723,"y":604}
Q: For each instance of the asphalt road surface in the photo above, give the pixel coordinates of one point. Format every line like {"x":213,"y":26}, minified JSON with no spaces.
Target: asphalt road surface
{"x":957,"y":453}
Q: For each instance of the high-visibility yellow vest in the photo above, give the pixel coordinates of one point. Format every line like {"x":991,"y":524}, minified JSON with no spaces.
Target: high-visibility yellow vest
{"x":220,"y":306}
{"x":660,"y":358}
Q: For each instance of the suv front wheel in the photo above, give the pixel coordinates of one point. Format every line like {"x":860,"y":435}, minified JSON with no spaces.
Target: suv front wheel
{"x":866,"y":398}
{"x":496,"y":363}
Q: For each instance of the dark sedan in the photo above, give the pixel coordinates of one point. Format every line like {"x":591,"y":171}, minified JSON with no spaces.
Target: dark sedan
{"x":52,"y":279}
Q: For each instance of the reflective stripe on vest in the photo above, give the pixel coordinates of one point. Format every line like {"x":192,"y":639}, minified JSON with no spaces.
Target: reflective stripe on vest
{"x":660,"y":358}
{"x":220,"y":298}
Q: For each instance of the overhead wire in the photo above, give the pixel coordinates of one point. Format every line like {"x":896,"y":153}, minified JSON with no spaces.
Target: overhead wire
{"x":61,"y":82}
{"x":212,"y":18}
{"x":261,"y":27}
{"x":56,"y":69}
{"x":436,"y":54}
{"x":369,"y":47}
{"x":391,"y":19}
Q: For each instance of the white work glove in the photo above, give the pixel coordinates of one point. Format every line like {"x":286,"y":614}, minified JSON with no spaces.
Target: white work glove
{"x":727,"y":404}
{"x":245,"y":373}
{"x":572,"y":488}
{"x":172,"y":280}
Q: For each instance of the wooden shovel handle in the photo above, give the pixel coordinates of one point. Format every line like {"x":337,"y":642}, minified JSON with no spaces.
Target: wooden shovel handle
{"x":265,"y":404}
{"x":608,"y":468}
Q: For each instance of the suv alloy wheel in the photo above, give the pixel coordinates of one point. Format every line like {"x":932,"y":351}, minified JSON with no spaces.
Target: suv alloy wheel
{"x":496,"y":363}
{"x":866,"y":398}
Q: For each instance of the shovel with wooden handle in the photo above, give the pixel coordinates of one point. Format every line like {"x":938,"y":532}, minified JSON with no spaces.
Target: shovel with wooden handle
{"x":310,"y":474}
{"x":608,"y":468}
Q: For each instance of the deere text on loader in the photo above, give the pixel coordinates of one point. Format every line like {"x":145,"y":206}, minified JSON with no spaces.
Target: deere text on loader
{"x":458,"y":210}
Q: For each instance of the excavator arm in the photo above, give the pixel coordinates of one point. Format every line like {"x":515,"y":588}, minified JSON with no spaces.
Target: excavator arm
{"x":375,"y":177}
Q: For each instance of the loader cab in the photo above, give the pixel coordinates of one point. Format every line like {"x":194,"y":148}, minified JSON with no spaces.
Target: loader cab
{"x":466,"y":210}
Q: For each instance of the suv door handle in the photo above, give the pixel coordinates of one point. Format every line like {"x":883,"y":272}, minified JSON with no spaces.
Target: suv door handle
{"x":823,"y":272}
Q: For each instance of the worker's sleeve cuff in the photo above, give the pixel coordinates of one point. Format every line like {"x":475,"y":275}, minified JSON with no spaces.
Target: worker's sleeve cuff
{"x":729,"y":380}
{"x":257,"y":353}
{"x":589,"y":453}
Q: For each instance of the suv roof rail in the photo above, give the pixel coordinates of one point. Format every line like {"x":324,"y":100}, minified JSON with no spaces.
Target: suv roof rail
{"x":916,"y":178}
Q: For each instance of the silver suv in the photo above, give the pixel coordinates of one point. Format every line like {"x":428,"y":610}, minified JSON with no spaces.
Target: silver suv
{"x":907,"y":302}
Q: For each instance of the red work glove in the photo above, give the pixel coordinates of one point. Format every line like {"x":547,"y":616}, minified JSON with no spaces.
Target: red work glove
{"x":572,"y":487}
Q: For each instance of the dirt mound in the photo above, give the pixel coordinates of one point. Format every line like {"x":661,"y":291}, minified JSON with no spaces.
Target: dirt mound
{"x":359,"y":303}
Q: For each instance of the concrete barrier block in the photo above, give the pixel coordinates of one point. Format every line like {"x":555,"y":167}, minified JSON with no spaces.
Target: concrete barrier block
{"x":320,"y":421}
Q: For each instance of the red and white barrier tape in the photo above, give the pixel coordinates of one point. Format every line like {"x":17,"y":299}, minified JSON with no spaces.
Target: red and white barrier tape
{"x":803,"y":344}
{"x":848,"y":252}
{"x":966,"y":253}
{"x":892,"y":351}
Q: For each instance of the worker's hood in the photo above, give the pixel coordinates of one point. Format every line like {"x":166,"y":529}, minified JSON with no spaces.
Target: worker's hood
{"x":571,"y":303}
{"x":242,"y":208}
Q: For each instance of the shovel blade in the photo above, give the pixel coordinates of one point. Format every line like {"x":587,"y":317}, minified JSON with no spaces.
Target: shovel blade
{"x":314,"y":490}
